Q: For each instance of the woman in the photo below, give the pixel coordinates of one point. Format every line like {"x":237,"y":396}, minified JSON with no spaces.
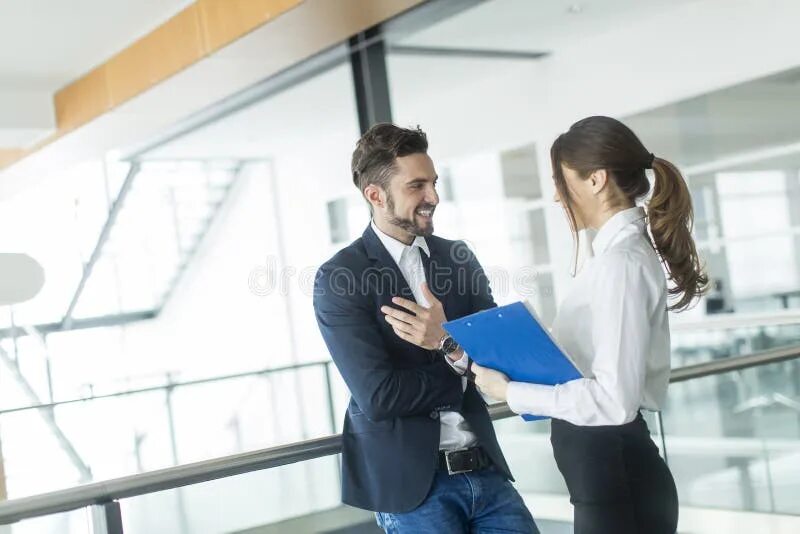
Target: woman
{"x":614,"y":325}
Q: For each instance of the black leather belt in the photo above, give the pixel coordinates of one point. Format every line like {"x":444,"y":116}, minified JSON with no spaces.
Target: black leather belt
{"x":464,"y":460}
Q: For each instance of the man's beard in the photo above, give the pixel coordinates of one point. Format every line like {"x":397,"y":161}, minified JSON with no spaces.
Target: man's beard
{"x":409,"y":225}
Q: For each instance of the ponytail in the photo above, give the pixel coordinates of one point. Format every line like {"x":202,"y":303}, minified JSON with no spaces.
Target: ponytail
{"x":604,"y":143}
{"x":670,"y":218}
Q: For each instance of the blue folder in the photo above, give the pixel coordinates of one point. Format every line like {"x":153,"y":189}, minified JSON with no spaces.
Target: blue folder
{"x":511,"y":340}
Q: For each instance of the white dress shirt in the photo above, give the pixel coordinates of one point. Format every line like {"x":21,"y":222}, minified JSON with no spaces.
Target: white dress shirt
{"x":455,"y":432}
{"x":613,"y":324}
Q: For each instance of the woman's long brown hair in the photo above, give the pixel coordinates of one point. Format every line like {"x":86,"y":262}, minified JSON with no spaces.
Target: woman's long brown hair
{"x":598,"y":143}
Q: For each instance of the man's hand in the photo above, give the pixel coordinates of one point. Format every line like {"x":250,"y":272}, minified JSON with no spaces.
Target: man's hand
{"x":418,"y":325}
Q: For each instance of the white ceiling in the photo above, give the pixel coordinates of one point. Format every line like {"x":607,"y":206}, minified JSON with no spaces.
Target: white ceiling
{"x":45,"y":44}
{"x":742,"y":118}
{"x":519,"y":25}
{"x":535,"y":25}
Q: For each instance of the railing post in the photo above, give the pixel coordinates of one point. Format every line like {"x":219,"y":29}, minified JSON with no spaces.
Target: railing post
{"x":770,"y":487}
{"x":660,"y":425}
{"x":3,"y":489}
{"x":107,"y":518}
{"x":14,"y":335}
{"x":173,"y":440}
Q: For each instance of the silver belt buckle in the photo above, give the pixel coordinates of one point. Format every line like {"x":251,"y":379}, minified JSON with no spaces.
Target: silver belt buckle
{"x":447,"y":461}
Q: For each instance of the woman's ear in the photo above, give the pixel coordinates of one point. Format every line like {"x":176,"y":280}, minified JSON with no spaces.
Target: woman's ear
{"x":598,"y":180}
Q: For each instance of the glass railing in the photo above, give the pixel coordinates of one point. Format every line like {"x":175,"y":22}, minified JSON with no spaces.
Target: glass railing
{"x":166,"y":423}
{"x":731,"y":436}
{"x":726,"y":335}
{"x":731,"y":440}
{"x":158,"y":421}
{"x":238,"y":503}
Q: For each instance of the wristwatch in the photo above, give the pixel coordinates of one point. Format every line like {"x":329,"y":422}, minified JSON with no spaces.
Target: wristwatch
{"x":448,"y":345}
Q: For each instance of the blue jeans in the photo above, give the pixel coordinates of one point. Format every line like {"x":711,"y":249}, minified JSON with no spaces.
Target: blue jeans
{"x":481,"y":502}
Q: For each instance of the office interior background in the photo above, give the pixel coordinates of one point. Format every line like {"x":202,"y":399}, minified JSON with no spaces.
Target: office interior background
{"x":181,"y":225}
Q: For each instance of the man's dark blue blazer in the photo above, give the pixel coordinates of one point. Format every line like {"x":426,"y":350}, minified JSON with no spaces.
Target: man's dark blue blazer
{"x":391,"y":428}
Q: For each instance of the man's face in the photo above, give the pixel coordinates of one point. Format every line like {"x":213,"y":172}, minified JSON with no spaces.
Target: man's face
{"x":411,"y":197}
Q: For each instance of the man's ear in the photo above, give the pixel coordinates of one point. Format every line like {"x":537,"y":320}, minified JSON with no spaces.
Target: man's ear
{"x":598,"y":180}
{"x":374,"y":196}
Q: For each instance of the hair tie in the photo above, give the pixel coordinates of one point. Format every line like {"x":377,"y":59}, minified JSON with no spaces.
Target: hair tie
{"x":649,"y":164}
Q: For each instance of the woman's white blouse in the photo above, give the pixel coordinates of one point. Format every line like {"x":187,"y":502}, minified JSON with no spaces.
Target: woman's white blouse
{"x":613,"y":324}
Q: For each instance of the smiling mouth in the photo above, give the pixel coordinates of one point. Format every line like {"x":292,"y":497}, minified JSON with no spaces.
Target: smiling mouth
{"x":427,"y":213}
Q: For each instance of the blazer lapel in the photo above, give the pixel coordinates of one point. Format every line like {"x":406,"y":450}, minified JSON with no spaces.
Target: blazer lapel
{"x":391,"y":280}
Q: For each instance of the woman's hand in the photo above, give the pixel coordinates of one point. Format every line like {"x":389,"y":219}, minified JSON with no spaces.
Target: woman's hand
{"x":492,"y":383}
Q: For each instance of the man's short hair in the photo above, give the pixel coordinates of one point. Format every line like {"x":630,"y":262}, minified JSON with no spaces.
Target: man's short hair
{"x":375,"y":153}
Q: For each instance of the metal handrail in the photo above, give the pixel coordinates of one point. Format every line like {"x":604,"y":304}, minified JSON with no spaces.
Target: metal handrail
{"x":725,"y":365}
{"x":729,"y":321}
{"x":170,"y":385}
{"x":237,"y":464}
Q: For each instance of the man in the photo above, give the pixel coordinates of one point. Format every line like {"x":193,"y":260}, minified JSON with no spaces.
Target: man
{"x":419,"y":448}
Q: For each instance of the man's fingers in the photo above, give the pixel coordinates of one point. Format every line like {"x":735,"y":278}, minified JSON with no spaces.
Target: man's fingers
{"x":410,"y":305}
{"x":400,"y":325}
{"x":400,"y":315}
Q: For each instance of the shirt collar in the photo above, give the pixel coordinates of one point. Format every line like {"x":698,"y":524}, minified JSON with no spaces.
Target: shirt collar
{"x":605,"y":235}
{"x":395,"y":247}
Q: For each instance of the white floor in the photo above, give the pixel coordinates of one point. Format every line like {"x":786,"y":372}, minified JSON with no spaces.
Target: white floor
{"x":692,"y":520}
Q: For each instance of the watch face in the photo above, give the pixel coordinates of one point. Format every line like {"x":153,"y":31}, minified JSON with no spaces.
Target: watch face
{"x":450,"y":345}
